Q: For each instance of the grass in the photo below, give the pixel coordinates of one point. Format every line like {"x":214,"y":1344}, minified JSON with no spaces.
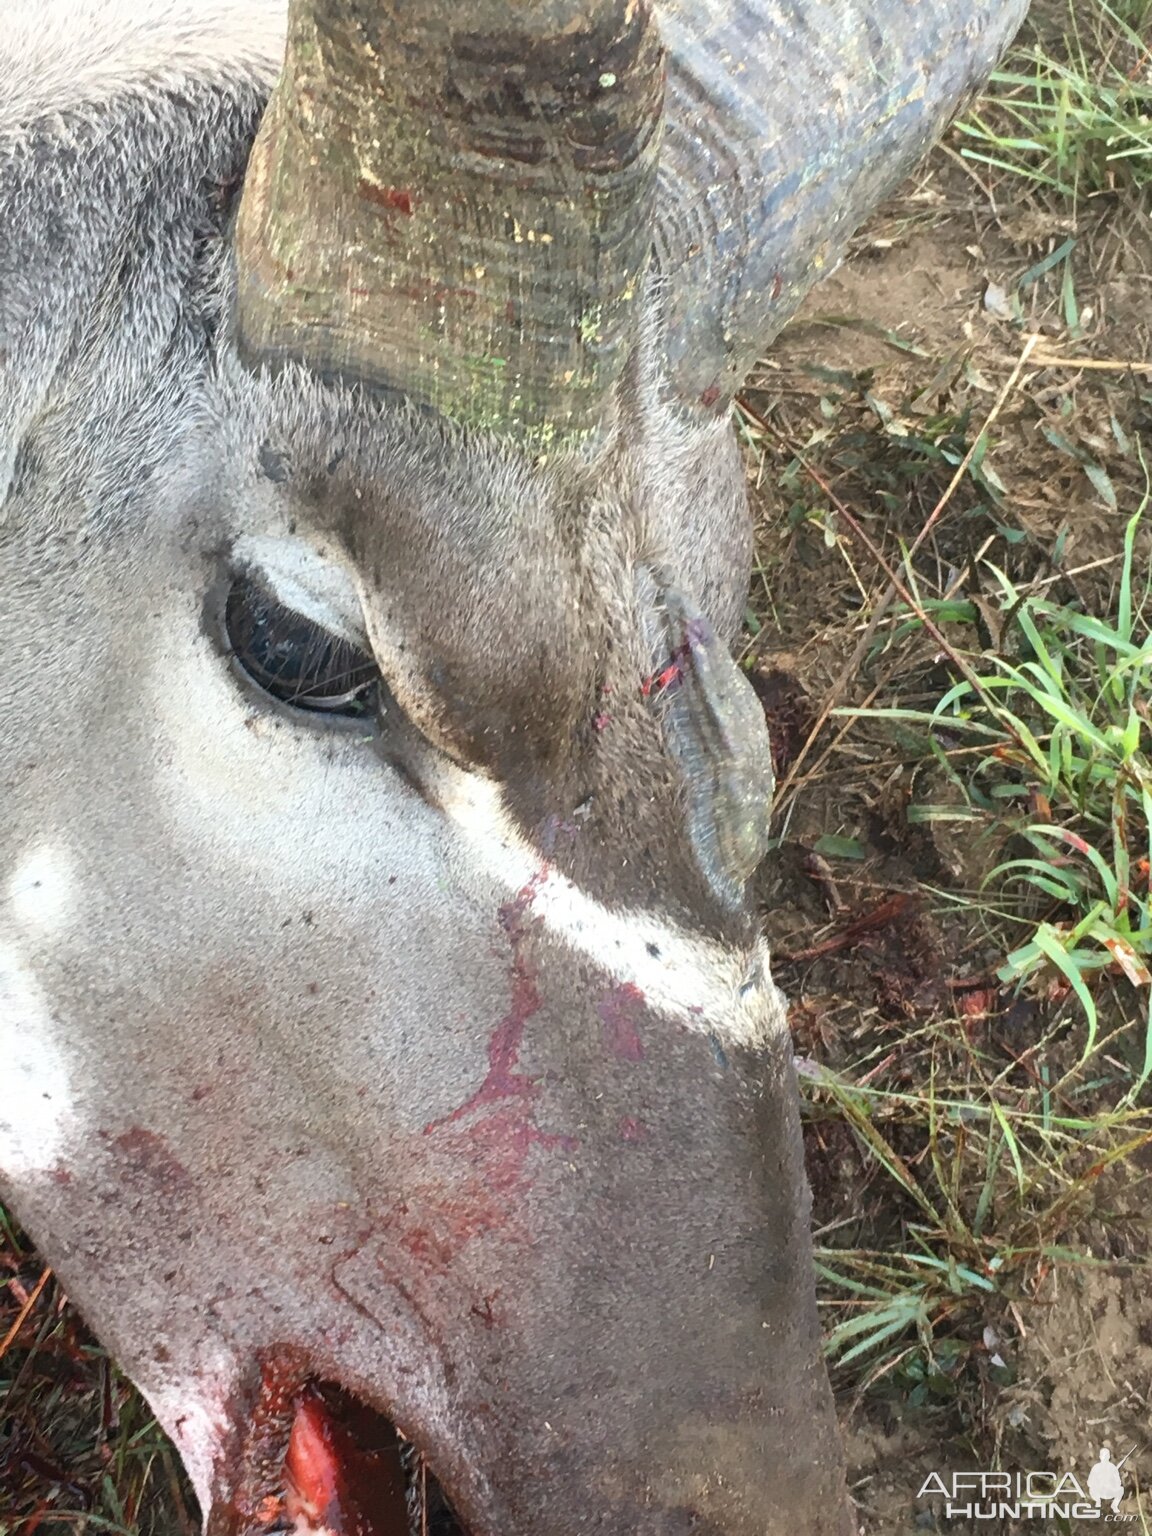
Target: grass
{"x":1023,"y":719}
{"x":1047,"y":741}
{"x":976,"y":1152}
{"x":1071,"y":110}
{"x":978,"y":752}
{"x":1062,"y":767}
{"x":79,"y":1449}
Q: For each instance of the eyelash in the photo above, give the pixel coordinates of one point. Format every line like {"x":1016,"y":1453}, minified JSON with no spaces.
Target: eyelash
{"x":294,"y":660}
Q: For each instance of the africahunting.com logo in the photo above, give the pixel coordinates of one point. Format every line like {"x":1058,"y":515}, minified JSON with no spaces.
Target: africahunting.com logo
{"x":1032,"y":1495}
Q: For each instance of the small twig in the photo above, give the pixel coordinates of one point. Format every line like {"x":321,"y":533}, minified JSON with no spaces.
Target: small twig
{"x":820,"y":870}
{"x":791,"y":783}
{"x":22,"y":1315}
{"x":1093,"y":364}
{"x":1019,"y":1321}
{"x":967,"y":167}
{"x":852,"y":933}
{"x":962,"y":468}
{"x":186,"y":1526}
{"x":878,"y":1070}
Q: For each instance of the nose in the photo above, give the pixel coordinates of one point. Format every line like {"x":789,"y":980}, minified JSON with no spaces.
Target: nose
{"x":650,"y":1360}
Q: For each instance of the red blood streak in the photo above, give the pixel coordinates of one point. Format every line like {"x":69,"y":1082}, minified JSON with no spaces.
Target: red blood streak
{"x":397,"y":199}
{"x":494,"y":1129}
{"x":502,"y":1080}
{"x":672,"y":673}
{"x":632,"y":1129}
{"x":620,"y":1011}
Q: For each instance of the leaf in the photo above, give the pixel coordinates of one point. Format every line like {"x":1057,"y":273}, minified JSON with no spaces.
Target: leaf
{"x":870,"y":328}
{"x":877,"y":1327}
{"x":923,"y":815}
{"x":1033,"y":274}
{"x":1099,"y":478}
{"x":950,"y":1267}
{"x":1047,"y":940}
{"x":1050,"y":664}
{"x":833,"y":847}
{"x":1060,"y":884}
{"x":1124,"y":608}
{"x":1097,"y":630}
{"x":1127,"y":959}
{"x":1058,"y":440}
{"x":1010,"y":1143}
{"x":1101,"y":484}
{"x":1062,"y":834}
{"x":999,"y":302}
{"x":1062,"y":711}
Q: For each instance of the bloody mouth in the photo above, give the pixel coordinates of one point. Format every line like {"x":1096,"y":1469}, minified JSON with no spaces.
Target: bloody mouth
{"x":349,"y":1472}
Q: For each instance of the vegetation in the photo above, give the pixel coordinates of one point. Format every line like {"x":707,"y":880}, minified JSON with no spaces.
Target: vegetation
{"x":966,"y":785}
{"x":1071,"y":111}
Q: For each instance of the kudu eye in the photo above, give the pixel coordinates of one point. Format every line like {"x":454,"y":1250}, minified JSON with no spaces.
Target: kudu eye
{"x":295,"y":660}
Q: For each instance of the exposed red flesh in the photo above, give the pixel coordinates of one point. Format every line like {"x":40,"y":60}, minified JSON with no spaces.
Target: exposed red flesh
{"x":343,"y":1471}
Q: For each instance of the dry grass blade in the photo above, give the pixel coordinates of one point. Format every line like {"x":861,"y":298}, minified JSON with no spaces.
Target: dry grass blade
{"x":25,"y":1311}
{"x":896,"y":586}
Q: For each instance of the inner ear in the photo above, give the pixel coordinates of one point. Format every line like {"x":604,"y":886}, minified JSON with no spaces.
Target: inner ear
{"x":715,"y":729}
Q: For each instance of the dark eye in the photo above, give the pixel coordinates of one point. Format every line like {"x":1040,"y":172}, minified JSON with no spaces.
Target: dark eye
{"x":293,"y":658}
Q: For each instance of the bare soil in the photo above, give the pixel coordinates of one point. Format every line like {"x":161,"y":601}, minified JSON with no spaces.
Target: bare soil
{"x":871,"y":950}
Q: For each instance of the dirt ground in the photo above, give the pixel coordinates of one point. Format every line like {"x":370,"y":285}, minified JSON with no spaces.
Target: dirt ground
{"x":1064,"y":1365}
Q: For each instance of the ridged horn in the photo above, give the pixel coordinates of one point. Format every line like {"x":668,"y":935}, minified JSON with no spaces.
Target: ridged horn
{"x":453,"y":200}
{"x":787,"y":122}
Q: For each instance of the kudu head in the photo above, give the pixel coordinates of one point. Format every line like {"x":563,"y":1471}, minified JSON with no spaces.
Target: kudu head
{"x":381,"y":1003}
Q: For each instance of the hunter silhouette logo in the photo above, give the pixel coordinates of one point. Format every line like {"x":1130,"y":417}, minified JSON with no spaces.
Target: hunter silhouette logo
{"x":978,"y":1495}
{"x":1105,"y":1484}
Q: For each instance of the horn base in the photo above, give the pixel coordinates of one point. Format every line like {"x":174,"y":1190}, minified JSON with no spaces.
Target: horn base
{"x":463,"y":217}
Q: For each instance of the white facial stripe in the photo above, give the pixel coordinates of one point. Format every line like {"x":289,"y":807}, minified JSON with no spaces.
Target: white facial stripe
{"x":221,"y":789}
{"x":700,"y":983}
{"x":302,"y":580}
{"x":40,"y":892}
{"x":35,"y":1094}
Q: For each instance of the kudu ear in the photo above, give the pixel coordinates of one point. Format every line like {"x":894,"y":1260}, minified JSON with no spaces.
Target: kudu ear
{"x":787,"y":121}
{"x":454,"y":199}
